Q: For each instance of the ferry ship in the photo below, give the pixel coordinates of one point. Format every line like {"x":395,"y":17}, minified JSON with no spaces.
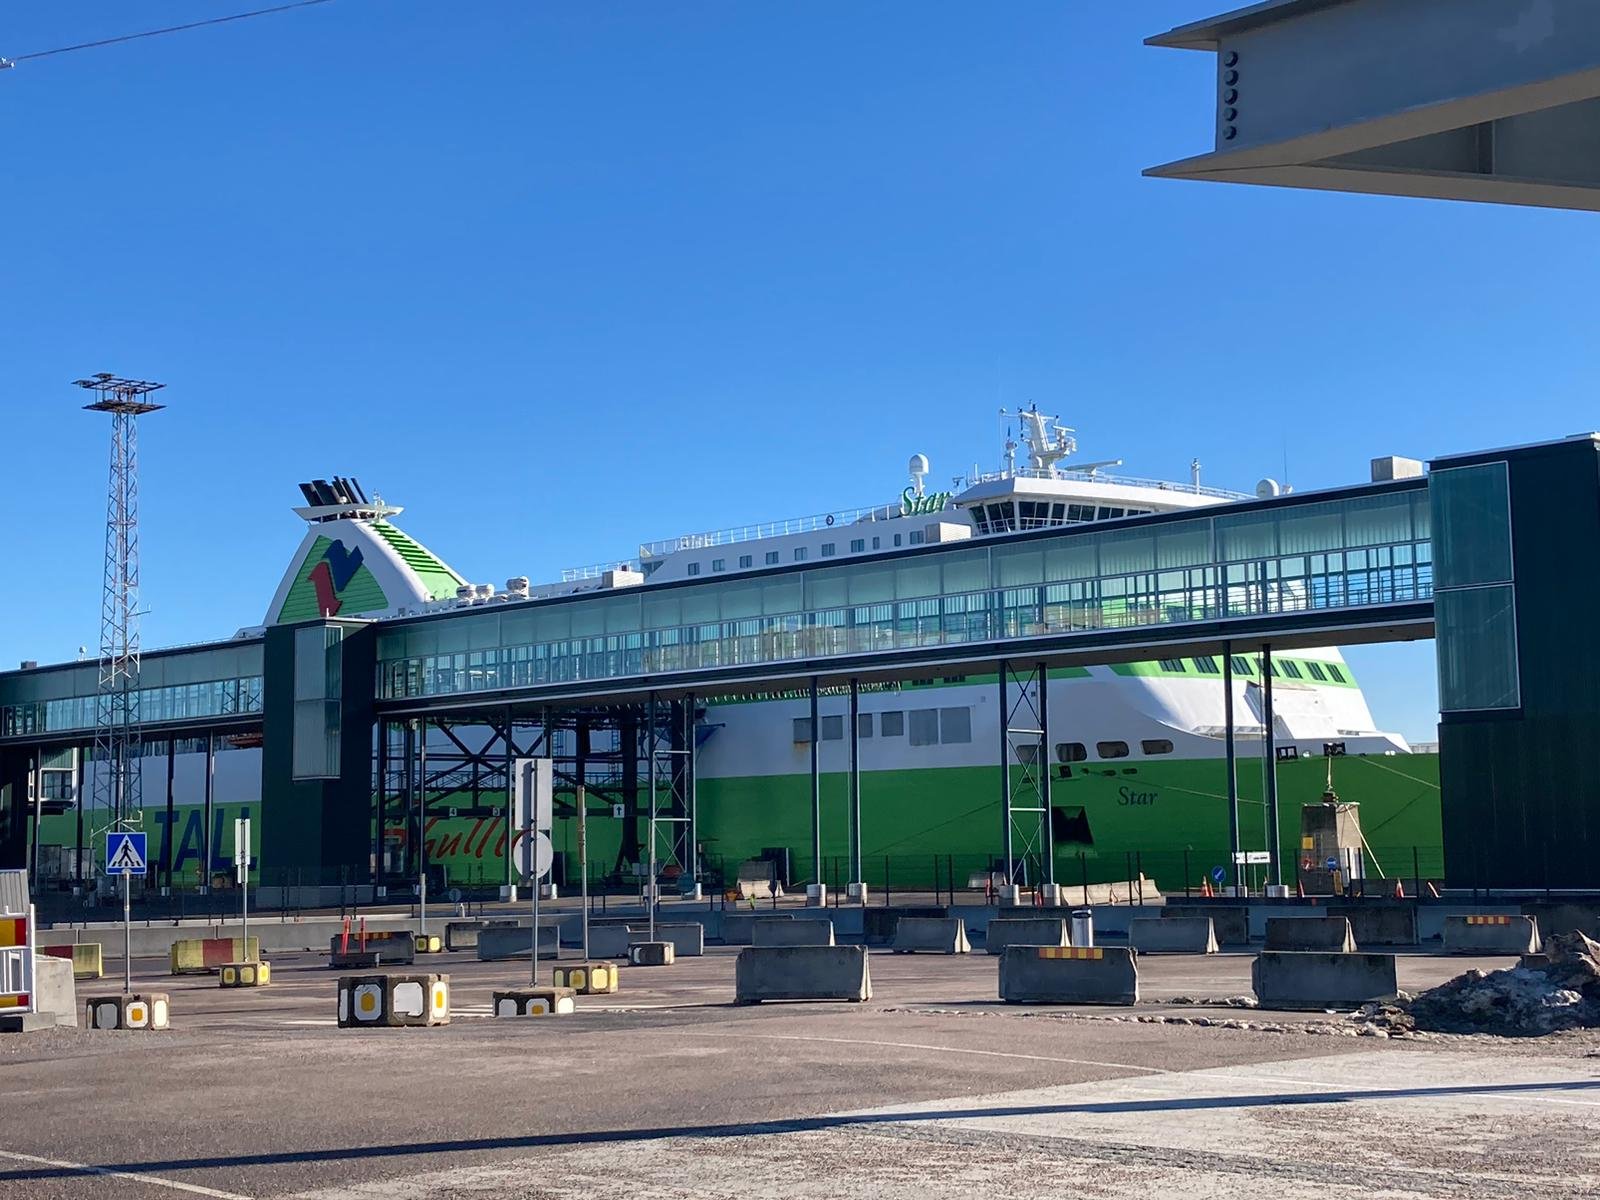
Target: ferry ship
{"x":1136,"y":754}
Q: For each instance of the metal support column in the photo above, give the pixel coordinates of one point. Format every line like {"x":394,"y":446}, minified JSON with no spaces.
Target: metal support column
{"x":1047,"y":831}
{"x":422,"y":830}
{"x":692,"y":768}
{"x":1003,"y":713}
{"x":857,"y":889}
{"x":508,"y":884}
{"x":650,"y":885}
{"x":205,"y":834}
{"x":816,"y":891}
{"x":1231,"y":757}
{"x":1269,"y":764}
{"x":382,"y":815}
{"x":166,"y":842}
{"x":408,"y":745}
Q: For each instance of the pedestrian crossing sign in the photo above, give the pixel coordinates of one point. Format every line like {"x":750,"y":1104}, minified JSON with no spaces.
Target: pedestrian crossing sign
{"x":125,"y":854}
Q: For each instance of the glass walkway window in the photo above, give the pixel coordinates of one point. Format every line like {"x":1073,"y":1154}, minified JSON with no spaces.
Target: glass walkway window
{"x":1365,"y":550}
{"x":1475,"y":610}
{"x":220,"y":681}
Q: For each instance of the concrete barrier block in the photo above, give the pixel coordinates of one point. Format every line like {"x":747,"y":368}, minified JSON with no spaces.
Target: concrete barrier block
{"x":498,"y":943}
{"x":428,"y":943}
{"x":930,"y":935}
{"x":802,"y":973}
{"x":136,"y":1010}
{"x":587,"y":978}
{"x":394,"y":946}
{"x":1025,"y":931}
{"x":878,"y":924}
{"x":799,"y":932}
{"x":1231,"y":922}
{"x":738,"y":928}
{"x":1069,"y":975}
{"x":1379,"y":924}
{"x":534,"y":1002}
{"x":463,"y":935}
{"x":245,"y":975}
{"x":651,"y":954}
{"x":1326,"y":934}
{"x":372,"y":1001}
{"x":1309,"y":979}
{"x":609,"y":941}
{"x":688,"y":939}
{"x":1174,"y":935}
{"x":87,"y":958}
{"x":1491,"y":933}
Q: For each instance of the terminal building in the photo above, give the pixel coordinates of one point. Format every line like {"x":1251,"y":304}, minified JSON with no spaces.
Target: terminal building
{"x":1010,"y":676}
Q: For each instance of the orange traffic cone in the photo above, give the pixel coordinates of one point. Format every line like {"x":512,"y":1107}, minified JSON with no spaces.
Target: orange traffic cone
{"x":1205,"y":888}
{"x":1399,"y":890}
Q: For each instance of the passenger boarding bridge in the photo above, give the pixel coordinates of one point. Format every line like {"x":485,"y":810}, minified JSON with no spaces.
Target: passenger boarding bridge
{"x":1398,"y":559}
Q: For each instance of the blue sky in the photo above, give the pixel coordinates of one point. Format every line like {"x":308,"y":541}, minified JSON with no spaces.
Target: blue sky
{"x":560,"y":278}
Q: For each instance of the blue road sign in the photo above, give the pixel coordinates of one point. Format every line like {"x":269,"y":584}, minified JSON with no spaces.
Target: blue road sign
{"x":1218,"y":874}
{"x":125,"y":854}
{"x":1333,"y":864}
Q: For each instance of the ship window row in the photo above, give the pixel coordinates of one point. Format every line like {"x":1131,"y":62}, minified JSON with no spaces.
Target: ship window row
{"x":1009,"y":516}
{"x":916,"y":537}
{"x":1244,"y":665}
{"x":1076,"y":752}
{"x":927,"y":726}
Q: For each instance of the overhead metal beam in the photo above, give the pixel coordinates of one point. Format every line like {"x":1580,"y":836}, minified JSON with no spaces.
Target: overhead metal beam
{"x":1481,"y":100}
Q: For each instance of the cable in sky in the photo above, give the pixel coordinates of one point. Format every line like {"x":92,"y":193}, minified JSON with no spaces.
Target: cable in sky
{"x":132,"y":37}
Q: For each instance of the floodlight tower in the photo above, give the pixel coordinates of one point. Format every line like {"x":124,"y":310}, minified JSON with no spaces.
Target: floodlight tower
{"x":118,"y":738}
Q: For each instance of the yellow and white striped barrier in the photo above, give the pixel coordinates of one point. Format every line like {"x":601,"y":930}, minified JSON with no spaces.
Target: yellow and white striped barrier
{"x":534,"y":1002}
{"x":587,"y":978}
{"x":245,"y":975}
{"x":141,"y":1010}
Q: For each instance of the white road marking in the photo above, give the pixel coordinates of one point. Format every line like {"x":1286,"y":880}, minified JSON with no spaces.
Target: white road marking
{"x":194,"y":1189}
{"x":783,"y":1037}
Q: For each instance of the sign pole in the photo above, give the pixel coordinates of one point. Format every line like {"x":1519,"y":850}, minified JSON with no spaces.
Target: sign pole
{"x":533,"y":876}
{"x":241,"y":863}
{"x":127,"y":938}
{"x":583,"y":865}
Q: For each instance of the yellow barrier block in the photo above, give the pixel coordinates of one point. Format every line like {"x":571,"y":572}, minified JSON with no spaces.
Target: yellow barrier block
{"x":1071,"y":952}
{"x":188,"y":957}
{"x":245,"y":974}
{"x":430,"y":944}
{"x":588,"y":978}
{"x":87,"y":961}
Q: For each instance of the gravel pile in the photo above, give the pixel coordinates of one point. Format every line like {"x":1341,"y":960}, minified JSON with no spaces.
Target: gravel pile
{"x":1543,"y":994}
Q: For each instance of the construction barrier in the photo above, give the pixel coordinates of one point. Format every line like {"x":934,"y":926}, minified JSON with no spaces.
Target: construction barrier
{"x":802,"y":931}
{"x":534,"y":1002}
{"x":428,"y":943}
{"x":498,"y":943}
{"x":1373,"y":924}
{"x":1172,"y":935}
{"x":801,"y":973}
{"x":88,"y":959}
{"x":1326,"y":934}
{"x":368,"y":1001}
{"x":587,"y":978}
{"x":738,"y":928}
{"x":360,"y":951}
{"x":207,"y":956}
{"x":140,"y":1010}
{"x":688,"y":939}
{"x":1491,"y":933}
{"x":463,"y":935}
{"x":930,"y":935}
{"x":651,"y":954}
{"x":245,"y":975}
{"x":1312,"y":979}
{"x":1069,"y":975}
{"x":1025,"y":931}
{"x":1231,"y":923}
